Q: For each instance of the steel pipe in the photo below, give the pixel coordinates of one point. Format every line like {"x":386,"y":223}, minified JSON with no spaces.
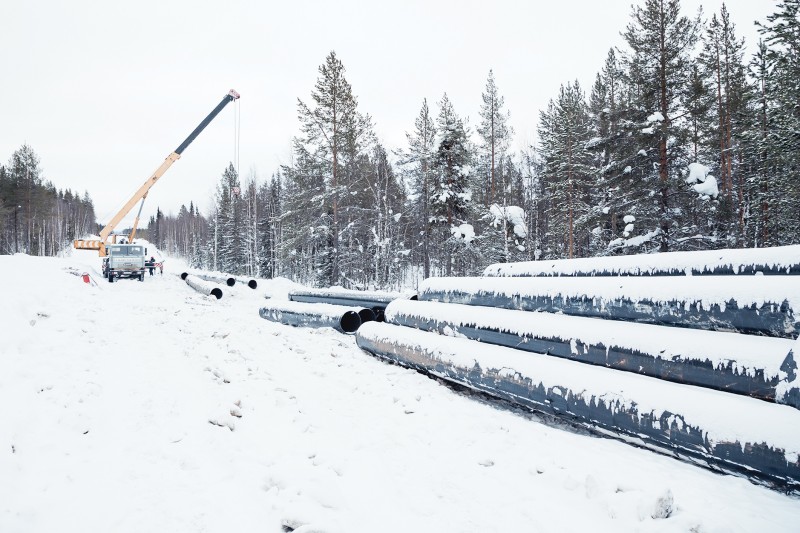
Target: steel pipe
{"x":737,"y":434}
{"x":316,"y":315}
{"x":376,"y":301}
{"x":760,"y":305}
{"x":227,"y":280}
{"x":230,"y":281}
{"x":202,"y":286}
{"x":761,"y":367}
{"x":779,"y":260}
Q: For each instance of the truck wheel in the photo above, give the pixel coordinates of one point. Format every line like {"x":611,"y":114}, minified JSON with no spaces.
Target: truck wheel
{"x":141,"y":277}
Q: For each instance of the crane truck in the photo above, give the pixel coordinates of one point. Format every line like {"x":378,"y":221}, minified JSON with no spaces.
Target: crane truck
{"x":126,"y":259}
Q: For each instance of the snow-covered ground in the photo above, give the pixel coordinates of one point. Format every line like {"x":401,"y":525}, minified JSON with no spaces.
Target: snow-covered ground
{"x":133,"y":407}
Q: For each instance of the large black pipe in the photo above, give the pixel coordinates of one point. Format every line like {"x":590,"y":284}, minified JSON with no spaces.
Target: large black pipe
{"x":202,"y":286}
{"x":343,"y":319}
{"x":244,"y":281}
{"x":735,"y":433}
{"x":748,"y":365}
{"x":779,"y":260}
{"x":227,"y":280}
{"x":375,"y":301}
{"x":757,"y":305}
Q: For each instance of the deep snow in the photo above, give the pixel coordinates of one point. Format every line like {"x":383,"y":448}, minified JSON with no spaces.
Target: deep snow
{"x":150,"y":407}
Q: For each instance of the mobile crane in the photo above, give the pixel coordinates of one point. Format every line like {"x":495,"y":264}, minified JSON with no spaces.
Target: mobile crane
{"x":127,"y":260}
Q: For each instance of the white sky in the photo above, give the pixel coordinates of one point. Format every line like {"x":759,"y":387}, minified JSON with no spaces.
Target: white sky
{"x":104,"y":91}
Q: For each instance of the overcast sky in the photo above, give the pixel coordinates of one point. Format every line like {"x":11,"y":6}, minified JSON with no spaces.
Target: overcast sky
{"x":103,"y":91}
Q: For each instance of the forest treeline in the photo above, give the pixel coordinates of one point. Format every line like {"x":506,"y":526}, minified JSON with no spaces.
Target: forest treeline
{"x":35,"y":217}
{"x":682,"y":142}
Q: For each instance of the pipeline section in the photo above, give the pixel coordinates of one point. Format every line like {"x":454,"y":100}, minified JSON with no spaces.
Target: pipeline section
{"x":779,"y":260}
{"x":734,"y":433}
{"x":202,"y":286}
{"x":250,"y":282}
{"x":761,"y":367}
{"x":757,"y":305}
{"x":230,"y":281}
{"x":316,"y":315}
{"x":377,"y":301}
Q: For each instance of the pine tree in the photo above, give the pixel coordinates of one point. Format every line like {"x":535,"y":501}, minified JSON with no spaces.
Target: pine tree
{"x":722,"y":59}
{"x":336,"y":135}
{"x":495,"y":135}
{"x":659,"y":68}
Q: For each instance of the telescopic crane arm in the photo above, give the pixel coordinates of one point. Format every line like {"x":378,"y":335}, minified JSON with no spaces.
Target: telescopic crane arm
{"x":145,"y":188}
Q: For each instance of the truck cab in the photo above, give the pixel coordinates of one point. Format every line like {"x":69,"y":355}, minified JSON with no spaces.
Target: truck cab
{"x":124,"y":261}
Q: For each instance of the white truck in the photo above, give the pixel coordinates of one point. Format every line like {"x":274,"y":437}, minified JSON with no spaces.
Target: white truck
{"x":124,"y":261}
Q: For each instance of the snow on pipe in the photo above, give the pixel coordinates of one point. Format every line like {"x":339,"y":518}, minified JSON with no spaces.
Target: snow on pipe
{"x":777,"y":260}
{"x":761,"y":367}
{"x":316,"y":315}
{"x":202,"y":286}
{"x":725,"y":431}
{"x":760,"y":305}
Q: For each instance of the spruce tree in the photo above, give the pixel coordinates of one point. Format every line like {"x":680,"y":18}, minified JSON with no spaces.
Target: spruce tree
{"x":417,"y":163}
{"x":452,"y":211}
{"x":564,"y":130}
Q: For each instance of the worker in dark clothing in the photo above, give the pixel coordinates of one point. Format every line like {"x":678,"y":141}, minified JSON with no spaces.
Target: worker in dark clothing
{"x":150,"y":264}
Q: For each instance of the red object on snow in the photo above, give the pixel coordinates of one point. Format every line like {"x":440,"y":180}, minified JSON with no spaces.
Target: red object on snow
{"x":85,"y":277}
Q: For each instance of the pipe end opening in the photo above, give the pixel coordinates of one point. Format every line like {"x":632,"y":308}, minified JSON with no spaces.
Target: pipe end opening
{"x":366,"y":315}
{"x":350,"y":322}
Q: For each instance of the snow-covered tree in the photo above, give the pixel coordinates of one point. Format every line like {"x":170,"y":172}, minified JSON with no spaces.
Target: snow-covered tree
{"x":661,"y":41}
{"x":564,"y":130}
{"x":452,"y":215}
{"x":417,"y":163}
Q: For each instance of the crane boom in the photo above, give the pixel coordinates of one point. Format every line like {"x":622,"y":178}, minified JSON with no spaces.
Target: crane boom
{"x":154,"y":177}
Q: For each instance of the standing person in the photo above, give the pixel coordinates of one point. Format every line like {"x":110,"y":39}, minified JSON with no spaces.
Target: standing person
{"x":151,"y":264}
